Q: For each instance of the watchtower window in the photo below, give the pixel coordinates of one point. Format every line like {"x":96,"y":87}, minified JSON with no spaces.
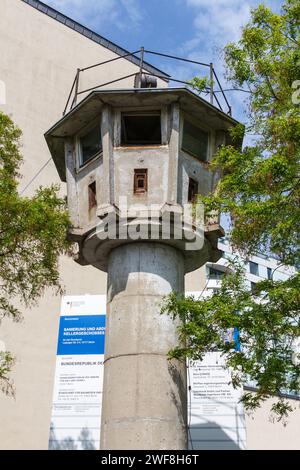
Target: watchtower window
{"x":140,"y":181}
{"x":193,"y":190}
{"x":141,"y":128}
{"x":194,"y":141}
{"x":90,"y":144}
{"x":92,"y":195}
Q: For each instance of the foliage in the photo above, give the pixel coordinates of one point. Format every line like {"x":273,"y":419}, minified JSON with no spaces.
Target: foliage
{"x":6,"y":363}
{"x":32,"y":236}
{"x":268,"y":324}
{"x":199,"y":84}
{"x":259,"y":188}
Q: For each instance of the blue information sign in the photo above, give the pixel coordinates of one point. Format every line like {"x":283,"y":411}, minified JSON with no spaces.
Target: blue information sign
{"x":81,"y":334}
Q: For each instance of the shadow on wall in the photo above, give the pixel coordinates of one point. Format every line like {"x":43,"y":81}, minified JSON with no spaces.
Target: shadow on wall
{"x":207,"y":436}
{"x":210,"y":436}
{"x":175,"y":370}
{"x":84,"y":441}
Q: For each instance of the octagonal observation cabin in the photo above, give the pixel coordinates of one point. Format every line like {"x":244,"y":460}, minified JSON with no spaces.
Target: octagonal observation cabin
{"x":146,"y":146}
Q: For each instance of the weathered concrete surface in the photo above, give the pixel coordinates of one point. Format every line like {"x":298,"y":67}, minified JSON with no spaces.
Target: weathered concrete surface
{"x":144,"y":394}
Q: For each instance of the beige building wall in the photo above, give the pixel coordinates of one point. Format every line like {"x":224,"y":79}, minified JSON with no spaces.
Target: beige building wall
{"x":265,"y":433}
{"x":38,"y":61}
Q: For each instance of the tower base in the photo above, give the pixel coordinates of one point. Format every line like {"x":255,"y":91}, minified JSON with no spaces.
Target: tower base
{"x":144,"y":393}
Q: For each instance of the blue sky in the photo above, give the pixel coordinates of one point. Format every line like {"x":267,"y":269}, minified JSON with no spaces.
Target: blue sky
{"x":195,"y":29}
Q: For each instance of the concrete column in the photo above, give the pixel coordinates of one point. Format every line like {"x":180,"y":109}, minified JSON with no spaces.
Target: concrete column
{"x":174,"y":155}
{"x":73,"y":203}
{"x":107,"y":190}
{"x":144,"y":394}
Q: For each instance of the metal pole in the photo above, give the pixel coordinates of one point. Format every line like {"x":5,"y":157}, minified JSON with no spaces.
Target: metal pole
{"x":141,"y":65}
{"x":222,"y":91}
{"x":107,"y":83}
{"x":70,"y":94}
{"x":76,"y":88}
{"x":108,"y":61}
{"x":177,"y":58}
{"x":211,"y":69}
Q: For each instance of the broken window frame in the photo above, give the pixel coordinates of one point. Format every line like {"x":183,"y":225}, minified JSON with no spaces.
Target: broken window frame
{"x":140,"y":143}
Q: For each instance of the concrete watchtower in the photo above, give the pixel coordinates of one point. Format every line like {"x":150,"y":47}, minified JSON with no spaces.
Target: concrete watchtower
{"x":132,"y":160}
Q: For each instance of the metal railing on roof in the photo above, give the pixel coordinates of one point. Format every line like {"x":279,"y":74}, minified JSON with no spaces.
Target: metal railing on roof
{"x":210,"y":90}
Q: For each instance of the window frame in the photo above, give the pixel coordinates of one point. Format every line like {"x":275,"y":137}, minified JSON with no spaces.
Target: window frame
{"x":201,"y":127}
{"x":253,"y":263}
{"x":92,"y":195}
{"x":136,"y":189}
{"x":84,"y":131}
{"x":253,"y":288}
{"x":218,"y":277}
{"x":269,"y":273}
{"x":141,"y":112}
{"x":193,"y":182}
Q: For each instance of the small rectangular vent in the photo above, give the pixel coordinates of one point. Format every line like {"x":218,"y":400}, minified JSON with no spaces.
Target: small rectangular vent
{"x":140,"y":181}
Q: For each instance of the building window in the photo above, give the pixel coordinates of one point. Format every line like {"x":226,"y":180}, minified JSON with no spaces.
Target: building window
{"x":140,"y":181}
{"x":90,"y":145}
{"x":253,"y":268}
{"x":141,"y":128}
{"x":269,"y":273}
{"x":253,"y":288}
{"x":215,"y":274}
{"x":92,"y":195}
{"x":194,"y":141}
{"x":193,"y":190}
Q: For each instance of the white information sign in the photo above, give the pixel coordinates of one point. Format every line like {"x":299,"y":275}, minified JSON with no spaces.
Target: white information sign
{"x":77,"y":397}
{"x":216,"y":418}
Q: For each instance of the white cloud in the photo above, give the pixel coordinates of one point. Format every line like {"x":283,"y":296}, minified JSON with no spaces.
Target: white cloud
{"x":133,"y":10}
{"x":97,"y":14}
{"x":215,"y":24}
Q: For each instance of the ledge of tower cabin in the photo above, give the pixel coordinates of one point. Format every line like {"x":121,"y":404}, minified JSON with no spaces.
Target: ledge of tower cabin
{"x":105,"y":209}
{"x":212,"y":227}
